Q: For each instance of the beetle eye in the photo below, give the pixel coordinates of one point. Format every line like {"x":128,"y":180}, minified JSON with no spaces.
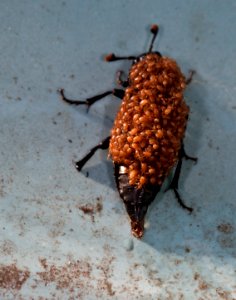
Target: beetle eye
{"x":140,"y":57}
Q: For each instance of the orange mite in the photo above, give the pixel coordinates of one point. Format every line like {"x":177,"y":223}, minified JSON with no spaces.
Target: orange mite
{"x":146,"y":141}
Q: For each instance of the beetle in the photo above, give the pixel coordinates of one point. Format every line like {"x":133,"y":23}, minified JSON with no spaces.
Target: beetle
{"x":146,"y":140}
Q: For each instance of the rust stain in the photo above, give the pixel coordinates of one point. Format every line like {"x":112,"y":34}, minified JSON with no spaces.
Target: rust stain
{"x":12,"y":278}
{"x":226,"y":237}
{"x":69,"y":276}
{"x":5,"y":182}
{"x":91,"y":209}
{"x":106,"y":272}
{"x":76,"y":277}
{"x":202,"y":284}
{"x":225,"y":228}
{"x":224,"y":295}
{"x":7,"y":247}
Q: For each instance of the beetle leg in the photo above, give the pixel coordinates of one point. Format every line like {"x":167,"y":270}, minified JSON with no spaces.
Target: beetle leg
{"x":174,"y":185}
{"x":103,"y":145}
{"x":120,"y":81}
{"x":190,"y":76}
{"x":89,"y":101}
{"x":119,"y":93}
{"x":186,"y":156}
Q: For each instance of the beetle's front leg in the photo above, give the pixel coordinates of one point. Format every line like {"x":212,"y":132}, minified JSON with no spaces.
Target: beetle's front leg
{"x":90,"y":101}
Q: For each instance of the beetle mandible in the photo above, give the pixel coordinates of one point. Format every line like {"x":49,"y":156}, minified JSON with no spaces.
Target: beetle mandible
{"x":146,"y":141}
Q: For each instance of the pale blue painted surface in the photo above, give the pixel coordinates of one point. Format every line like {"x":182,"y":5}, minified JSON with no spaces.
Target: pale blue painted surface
{"x":45,"y":45}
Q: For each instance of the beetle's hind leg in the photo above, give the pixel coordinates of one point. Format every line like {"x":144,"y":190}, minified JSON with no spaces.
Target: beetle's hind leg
{"x":186,"y":156}
{"x":89,"y":101}
{"x":103,"y":145}
{"x":174,"y":185}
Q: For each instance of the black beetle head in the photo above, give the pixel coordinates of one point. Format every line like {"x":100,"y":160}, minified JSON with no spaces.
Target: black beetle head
{"x":154,"y":30}
{"x":143,"y":55}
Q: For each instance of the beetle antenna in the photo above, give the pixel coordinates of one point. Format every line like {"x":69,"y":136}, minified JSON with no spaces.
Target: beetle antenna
{"x":112,"y":57}
{"x":154,"y":30}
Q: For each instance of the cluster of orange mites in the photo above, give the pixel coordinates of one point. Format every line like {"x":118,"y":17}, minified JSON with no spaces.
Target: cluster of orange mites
{"x":150,"y":125}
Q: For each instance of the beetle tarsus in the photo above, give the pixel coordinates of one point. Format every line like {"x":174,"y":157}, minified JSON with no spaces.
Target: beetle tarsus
{"x":103,"y":145}
{"x":183,"y":154}
{"x":186,"y":156}
{"x":174,"y":185}
{"x":89,"y":101}
{"x":190,"y":76}
{"x":180,"y":201}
